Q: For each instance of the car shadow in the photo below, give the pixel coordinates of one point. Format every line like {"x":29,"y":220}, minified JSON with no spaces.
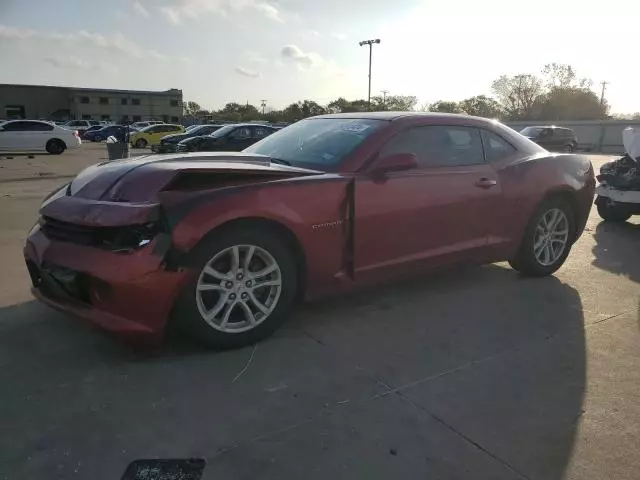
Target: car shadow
{"x":496,"y":358}
{"x":616,"y":249}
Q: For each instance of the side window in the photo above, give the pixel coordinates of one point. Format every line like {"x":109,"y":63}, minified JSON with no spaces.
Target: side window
{"x":37,"y":127}
{"x":495,"y":147}
{"x":438,"y":146}
{"x":260,"y":132}
{"x":15,"y":127}
{"x":240,"y":133}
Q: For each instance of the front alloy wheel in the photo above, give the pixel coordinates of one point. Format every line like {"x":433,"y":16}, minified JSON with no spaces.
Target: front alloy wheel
{"x":238,"y":288}
{"x":245,"y":285}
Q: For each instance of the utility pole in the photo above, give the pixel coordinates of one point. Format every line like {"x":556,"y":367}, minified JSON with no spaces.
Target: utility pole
{"x":370,"y":43}
{"x":604,"y":86}
{"x":263,"y":103}
{"x":384,"y":96}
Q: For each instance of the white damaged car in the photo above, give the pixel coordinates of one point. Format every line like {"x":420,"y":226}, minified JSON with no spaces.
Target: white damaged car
{"x":618,"y":194}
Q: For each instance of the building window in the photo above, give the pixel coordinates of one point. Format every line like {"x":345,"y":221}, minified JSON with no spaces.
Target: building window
{"x":86,"y":117}
{"x":137,"y":118}
{"x":135,"y":101}
{"x":105,"y":117}
{"x":124,"y":101}
{"x":104,"y":101}
{"x":174,"y":103}
{"x":175,"y":119}
{"x":84,"y":99}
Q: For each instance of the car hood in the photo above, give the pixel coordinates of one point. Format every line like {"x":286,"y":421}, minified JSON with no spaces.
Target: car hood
{"x":140,"y":179}
{"x":175,"y":137}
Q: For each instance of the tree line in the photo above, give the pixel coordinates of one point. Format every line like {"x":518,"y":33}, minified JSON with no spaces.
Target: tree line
{"x":556,"y":93}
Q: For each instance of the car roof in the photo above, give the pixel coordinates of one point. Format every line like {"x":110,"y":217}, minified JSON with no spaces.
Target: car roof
{"x":392,"y":116}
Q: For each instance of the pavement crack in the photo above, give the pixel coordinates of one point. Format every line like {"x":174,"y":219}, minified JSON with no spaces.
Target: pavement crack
{"x":466,"y":438}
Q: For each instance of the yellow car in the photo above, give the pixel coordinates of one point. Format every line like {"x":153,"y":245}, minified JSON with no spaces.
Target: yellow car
{"x":152,"y":134}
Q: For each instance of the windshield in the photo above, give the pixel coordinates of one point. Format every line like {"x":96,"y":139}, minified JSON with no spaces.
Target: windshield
{"x":531,"y":131}
{"x":317,"y":142}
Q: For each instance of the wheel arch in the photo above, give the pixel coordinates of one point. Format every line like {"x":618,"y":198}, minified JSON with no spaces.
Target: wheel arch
{"x":267,"y":224}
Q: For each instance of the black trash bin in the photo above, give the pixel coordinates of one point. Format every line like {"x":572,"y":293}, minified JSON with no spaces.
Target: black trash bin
{"x":117,"y":150}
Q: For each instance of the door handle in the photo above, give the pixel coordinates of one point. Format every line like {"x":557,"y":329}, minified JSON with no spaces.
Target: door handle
{"x":486,"y":183}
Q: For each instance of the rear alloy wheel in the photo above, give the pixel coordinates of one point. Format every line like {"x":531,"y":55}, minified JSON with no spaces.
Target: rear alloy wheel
{"x":547,"y":240}
{"x":141,"y":143}
{"x":611,"y":211}
{"x":55,"y":146}
{"x":243,"y":292}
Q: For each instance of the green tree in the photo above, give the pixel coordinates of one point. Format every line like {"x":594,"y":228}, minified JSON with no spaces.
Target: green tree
{"x":443,"y":106}
{"x":481,"y":106}
{"x":571,"y":103}
{"x":191,"y":108}
{"x":345,"y":106}
{"x":394,"y":103}
{"x":519,"y":95}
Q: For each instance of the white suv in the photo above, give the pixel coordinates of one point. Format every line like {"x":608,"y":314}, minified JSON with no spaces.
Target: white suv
{"x":35,"y":135}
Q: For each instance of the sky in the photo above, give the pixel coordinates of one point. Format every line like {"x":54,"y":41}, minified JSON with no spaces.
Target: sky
{"x":281,"y":51}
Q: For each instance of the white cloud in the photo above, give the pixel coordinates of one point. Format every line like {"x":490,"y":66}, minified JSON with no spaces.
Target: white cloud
{"x":302,"y":59}
{"x":255,"y":57}
{"x":269,"y":11}
{"x":71,"y":62}
{"x":115,"y":43}
{"x":246,"y":72}
{"x":338,"y":36}
{"x":180,"y":10}
{"x":140,"y":10}
{"x":171,"y":14}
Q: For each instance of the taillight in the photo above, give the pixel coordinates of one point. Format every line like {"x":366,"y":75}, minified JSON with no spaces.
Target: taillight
{"x":76,"y":134}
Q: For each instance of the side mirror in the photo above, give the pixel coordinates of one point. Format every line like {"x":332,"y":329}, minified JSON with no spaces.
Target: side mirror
{"x":395,"y":163}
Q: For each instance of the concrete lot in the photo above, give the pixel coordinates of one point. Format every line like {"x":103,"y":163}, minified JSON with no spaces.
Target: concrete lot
{"x":473,"y":374}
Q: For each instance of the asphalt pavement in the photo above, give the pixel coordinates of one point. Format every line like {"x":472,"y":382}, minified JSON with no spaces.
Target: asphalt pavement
{"x":476,"y":373}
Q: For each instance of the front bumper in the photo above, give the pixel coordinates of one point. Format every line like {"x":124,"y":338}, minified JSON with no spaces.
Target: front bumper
{"x":130,"y":294}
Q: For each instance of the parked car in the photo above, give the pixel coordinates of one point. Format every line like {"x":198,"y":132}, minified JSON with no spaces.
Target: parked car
{"x":231,"y":138}
{"x":618,"y":194}
{"x":80,"y":125}
{"x":100,"y":135}
{"x":552,"y":138}
{"x":34,"y":135}
{"x":93,"y":128}
{"x":141,"y":125}
{"x":153,"y":134}
{"x":169,"y":143}
{"x":220,"y":245}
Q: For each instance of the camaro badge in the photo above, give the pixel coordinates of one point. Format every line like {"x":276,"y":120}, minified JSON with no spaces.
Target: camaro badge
{"x":327,"y":225}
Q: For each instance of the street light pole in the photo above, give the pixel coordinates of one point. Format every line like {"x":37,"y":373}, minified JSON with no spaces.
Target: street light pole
{"x":370,"y":43}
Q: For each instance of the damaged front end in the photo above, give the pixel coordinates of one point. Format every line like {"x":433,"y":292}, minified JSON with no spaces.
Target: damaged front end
{"x":103,"y":246}
{"x":618,"y":194}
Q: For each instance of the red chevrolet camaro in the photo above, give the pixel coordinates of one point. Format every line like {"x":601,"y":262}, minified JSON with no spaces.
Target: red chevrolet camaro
{"x":222,"y":244}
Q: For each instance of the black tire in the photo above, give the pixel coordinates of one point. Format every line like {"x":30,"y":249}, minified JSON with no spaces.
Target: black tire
{"x":55,"y":146}
{"x":611,"y":212}
{"x":525,"y":260}
{"x":141,"y":143}
{"x":569,"y":148}
{"x":186,"y":317}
